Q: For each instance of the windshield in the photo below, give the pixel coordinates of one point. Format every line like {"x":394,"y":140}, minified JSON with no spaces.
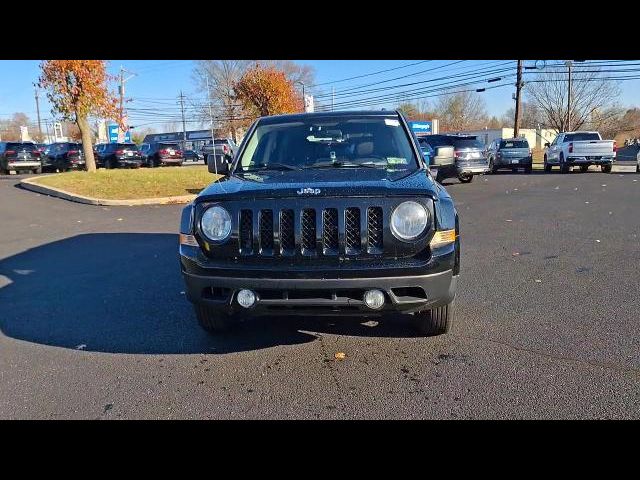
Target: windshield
{"x":30,"y":147}
{"x":466,"y":143}
{"x":514,"y":144}
{"x":577,"y":137}
{"x":341,"y":142}
{"x":126,"y":146}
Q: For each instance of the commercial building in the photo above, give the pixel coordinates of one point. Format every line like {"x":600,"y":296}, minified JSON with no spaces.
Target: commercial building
{"x":536,"y":137}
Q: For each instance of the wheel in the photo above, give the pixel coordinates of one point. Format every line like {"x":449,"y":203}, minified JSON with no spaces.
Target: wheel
{"x":108,"y":164}
{"x":606,"y":168}
{"x":528,"y":169}
{"x":179,"y":164}
{"x":584,"y":168}
{"x":435,"y":321}
{"x":638,"y":168}
{"x":564,"y":167}
{"x":213,"y":320}
{"x":547,"y":167}
{"x":37,"y":170}
{"x":465,"y":178}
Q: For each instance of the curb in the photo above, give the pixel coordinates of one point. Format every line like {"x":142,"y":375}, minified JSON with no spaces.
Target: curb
{"x":28,"y":184}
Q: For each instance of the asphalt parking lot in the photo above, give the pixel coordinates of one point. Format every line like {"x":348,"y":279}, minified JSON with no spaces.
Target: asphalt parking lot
{"x":94,"y":323}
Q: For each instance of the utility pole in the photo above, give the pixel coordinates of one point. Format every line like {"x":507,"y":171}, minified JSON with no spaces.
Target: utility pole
{"x":568,"y":63}
{"x":333,"y":94}
{"x":121,"y":88}
{"x":516,"y":123}
{"x":184,"y":127}
{"x":35,"y":87}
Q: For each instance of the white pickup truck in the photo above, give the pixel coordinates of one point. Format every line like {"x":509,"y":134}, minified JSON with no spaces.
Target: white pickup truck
{"x":579,"y":149}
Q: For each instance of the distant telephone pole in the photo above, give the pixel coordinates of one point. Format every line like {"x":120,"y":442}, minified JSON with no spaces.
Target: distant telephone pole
{"x":568,"y":127}
{"x":121,"y":89}
{"x":35,"y":87}
{"x":516,"y":123}
{"x":184,"y":128}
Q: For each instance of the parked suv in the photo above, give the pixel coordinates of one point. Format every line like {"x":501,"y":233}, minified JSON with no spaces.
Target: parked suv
{"x":159,"y":154}
{"x":469,"y":157}
{"x":119,"y":155}
{"x":63,"y":156}
{"x":19,"y":156}
{"x":332,"y":213}
{"x":510,"y":153}
{"x":225,"y":148}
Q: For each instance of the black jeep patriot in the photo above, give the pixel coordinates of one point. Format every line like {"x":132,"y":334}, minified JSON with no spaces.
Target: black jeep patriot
{"x":323,"y":214}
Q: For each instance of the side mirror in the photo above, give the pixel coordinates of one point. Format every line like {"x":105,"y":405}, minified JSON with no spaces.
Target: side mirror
{"x":547,"y":144}
{"x":217,"y":164}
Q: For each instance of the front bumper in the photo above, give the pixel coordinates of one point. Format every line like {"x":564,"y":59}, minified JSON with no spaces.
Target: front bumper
{"x":278,"y":296}
{"x":129,"y":162}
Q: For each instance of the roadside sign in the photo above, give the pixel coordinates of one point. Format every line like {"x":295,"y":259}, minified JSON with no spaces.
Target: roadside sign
{"x":113,"y":134}
{"x":422,"y":127}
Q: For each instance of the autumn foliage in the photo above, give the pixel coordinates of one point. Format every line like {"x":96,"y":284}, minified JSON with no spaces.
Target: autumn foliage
{"x":77,"y":90}
{"x":267,"y":91}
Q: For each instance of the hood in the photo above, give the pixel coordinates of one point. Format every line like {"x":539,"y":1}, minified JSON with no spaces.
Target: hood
{"x":339,"y":182}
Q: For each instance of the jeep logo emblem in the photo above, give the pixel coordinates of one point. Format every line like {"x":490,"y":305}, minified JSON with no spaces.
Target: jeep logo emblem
{"x":308,"y":191}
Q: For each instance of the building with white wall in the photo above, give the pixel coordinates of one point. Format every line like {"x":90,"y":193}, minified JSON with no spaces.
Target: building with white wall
{"x":536,"y":137}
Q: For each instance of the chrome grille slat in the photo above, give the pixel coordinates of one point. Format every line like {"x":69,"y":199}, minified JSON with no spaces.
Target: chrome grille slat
{"x":330,"y":231}
{"x":287,"y":234}
{"x":311,"y":231}
{"x":353,"y":240}
{"x":266,"y":230}
{"x":375,"y":229}
{"x":308,"y":221}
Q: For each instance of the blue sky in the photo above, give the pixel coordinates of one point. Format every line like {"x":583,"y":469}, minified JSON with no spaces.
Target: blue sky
{"x":161,"y":81}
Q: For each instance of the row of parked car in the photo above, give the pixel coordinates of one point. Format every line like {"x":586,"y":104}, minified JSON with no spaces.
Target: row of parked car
{"x":30,"y":157}
{"x":464,"y":156}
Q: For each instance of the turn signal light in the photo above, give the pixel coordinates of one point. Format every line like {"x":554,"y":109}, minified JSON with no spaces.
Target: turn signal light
{"x":442,"y":238}
{"x":188,"y":240}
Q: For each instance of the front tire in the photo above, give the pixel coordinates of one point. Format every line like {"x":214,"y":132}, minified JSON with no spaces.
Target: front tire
{"x":213,"y":320}
{"x":528,"y":169}
{"x":465,"y":178}
{"x":38,"y":171}
{"x":435,"y":321}
{"x":492,"y":168}
{"x":606,"y":168}
{"x":547,"y":167}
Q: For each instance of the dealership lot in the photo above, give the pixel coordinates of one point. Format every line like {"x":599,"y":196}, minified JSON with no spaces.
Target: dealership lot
{"x":94,"y":323}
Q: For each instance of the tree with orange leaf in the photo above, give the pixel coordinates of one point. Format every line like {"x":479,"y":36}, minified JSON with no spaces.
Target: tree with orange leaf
{"x":267,"y":91}
{"x":78,"y":90}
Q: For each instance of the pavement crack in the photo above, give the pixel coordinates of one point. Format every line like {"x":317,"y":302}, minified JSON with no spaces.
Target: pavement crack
{"x":592,"y":363}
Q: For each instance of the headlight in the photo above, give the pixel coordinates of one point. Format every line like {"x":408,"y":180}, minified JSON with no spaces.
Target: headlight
{"x":216,"y":223}
{"x":409,"y":220}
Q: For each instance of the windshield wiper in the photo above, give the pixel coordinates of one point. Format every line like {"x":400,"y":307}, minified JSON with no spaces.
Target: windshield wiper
{"x":344,"y":165}
{"x":270,"y":166}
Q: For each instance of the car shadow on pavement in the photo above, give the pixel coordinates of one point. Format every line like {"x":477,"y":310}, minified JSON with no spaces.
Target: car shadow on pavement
{"x":123,"y":293}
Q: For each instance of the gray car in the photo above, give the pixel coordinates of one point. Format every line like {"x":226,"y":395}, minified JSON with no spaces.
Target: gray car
{"x":509,"y":153}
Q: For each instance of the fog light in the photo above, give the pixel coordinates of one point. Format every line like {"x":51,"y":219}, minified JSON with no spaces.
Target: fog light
{"x":246,"y":298}
{"x":374,"y":299}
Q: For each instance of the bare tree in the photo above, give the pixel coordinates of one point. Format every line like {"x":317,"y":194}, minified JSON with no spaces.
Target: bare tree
{"x":222,"y":75}
{"x":530,"y":116}
{"x":590,"y":92}
{"x":461,"y":111}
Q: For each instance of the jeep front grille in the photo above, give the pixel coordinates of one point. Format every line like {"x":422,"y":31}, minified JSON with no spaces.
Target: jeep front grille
{"x":311,"y":231}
